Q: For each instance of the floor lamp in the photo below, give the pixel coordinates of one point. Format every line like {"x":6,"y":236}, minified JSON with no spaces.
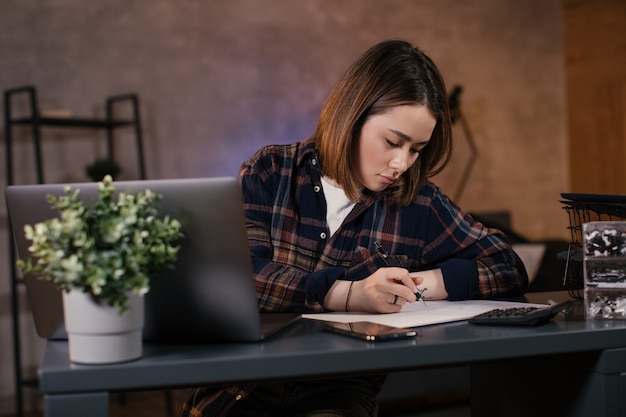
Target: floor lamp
{"x":457,"y":116}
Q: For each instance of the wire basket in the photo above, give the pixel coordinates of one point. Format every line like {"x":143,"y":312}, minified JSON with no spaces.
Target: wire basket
{"x":585,"y":208}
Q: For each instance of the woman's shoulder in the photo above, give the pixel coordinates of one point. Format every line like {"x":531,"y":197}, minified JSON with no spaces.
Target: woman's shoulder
{"x":433,"y":198}
{"x":279,"y":155}
{"x":427,"y":193}
{"x":282,"y":151}
{"x":274,"y":151}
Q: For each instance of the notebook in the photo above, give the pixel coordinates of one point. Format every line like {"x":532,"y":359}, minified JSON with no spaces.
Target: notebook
{"x":208,"y":297}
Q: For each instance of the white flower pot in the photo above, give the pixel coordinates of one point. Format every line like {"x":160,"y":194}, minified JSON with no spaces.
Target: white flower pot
{"x":98,"y":334}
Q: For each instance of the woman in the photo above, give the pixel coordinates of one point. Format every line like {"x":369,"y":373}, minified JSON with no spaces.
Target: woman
{"x":329,"y":215}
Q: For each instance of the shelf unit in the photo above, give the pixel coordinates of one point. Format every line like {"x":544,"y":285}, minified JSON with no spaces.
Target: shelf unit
{"x":36,"y":122}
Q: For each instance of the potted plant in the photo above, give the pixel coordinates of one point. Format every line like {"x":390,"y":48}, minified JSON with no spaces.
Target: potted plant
{"x":102,"y":256}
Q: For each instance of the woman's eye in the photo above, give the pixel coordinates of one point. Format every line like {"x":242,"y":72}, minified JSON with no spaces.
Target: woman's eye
{"x":392,"y":144}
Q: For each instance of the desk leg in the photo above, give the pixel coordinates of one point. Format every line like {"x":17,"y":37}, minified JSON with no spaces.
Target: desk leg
{"x":94,"y":404}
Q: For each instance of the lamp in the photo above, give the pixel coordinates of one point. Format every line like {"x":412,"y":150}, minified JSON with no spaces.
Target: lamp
{"x":456,"y":115}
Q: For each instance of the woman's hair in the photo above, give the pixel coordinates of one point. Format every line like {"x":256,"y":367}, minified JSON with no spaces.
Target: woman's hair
{"x":389,"y":74}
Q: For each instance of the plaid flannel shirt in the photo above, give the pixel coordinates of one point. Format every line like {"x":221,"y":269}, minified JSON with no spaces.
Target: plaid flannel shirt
{"x":296,"y":260}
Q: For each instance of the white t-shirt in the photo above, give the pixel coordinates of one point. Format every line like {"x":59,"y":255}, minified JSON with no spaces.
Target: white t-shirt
{"x":338,"y":205}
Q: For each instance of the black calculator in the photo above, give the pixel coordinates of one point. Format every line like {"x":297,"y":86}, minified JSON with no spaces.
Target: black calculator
{"x":519,"y":316}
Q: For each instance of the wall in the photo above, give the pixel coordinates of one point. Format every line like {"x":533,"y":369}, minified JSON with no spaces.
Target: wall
{"x":219,"y":79}
{"x":595,"y":62}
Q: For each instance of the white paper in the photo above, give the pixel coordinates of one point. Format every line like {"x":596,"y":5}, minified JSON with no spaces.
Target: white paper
{"x":419,"y":314}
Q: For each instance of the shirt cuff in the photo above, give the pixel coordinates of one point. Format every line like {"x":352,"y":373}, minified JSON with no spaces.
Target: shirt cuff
{"x":318,"y":283}
{"x":460,"y":277}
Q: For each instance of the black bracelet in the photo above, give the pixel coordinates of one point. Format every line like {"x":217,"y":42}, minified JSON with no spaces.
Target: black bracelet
{"x":348,"y":296}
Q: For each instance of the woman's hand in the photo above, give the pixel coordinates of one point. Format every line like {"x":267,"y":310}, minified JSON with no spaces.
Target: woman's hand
{"x":432,"y":280}
{"x":385,"y":291}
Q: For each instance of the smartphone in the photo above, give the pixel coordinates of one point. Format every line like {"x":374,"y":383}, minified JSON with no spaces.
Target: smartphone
{"x":369,"y":331}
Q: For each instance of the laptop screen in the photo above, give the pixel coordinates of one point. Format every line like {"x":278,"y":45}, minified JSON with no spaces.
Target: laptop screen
{"x":208,"y":297}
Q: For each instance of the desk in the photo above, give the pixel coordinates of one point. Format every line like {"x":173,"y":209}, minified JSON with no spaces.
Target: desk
{"x":303,"y":351}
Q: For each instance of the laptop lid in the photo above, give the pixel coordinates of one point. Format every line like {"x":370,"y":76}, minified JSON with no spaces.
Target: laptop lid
{"x":209,"y":295}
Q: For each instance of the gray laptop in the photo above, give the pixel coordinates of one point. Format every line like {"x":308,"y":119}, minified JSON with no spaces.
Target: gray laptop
{"x":208,"y":297}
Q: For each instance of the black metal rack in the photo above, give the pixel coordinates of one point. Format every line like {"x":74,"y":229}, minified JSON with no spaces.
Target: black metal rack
{"x":585,"y":208}
{"x":35,"y":121}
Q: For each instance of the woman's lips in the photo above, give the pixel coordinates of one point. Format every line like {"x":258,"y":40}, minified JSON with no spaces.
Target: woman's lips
{"x":387,"y":180}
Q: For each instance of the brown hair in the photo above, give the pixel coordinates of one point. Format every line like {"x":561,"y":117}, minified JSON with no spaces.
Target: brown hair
{"x":389,"y":74}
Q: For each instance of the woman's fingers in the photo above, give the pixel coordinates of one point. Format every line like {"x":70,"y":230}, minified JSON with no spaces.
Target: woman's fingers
{"x":385,"y":291}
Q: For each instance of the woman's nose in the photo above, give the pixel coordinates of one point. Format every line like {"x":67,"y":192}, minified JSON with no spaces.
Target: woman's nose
{"x":399,"y":163}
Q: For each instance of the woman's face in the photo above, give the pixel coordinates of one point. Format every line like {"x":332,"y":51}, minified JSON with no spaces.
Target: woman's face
{"x":390,"y":143}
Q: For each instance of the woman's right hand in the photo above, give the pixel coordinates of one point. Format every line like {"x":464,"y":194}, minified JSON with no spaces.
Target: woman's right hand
{"x":385,"y":291}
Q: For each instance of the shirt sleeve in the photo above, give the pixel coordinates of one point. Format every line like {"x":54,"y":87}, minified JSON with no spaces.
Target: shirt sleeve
{"x":476,"y":261}
{"x":280,"y":286}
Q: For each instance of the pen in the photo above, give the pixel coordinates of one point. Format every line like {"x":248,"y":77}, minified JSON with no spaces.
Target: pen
{"x":391,"y":261}
{"x":420,"y":294}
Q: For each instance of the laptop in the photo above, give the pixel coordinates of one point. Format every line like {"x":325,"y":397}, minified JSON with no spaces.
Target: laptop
{"x":209,"y":296}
